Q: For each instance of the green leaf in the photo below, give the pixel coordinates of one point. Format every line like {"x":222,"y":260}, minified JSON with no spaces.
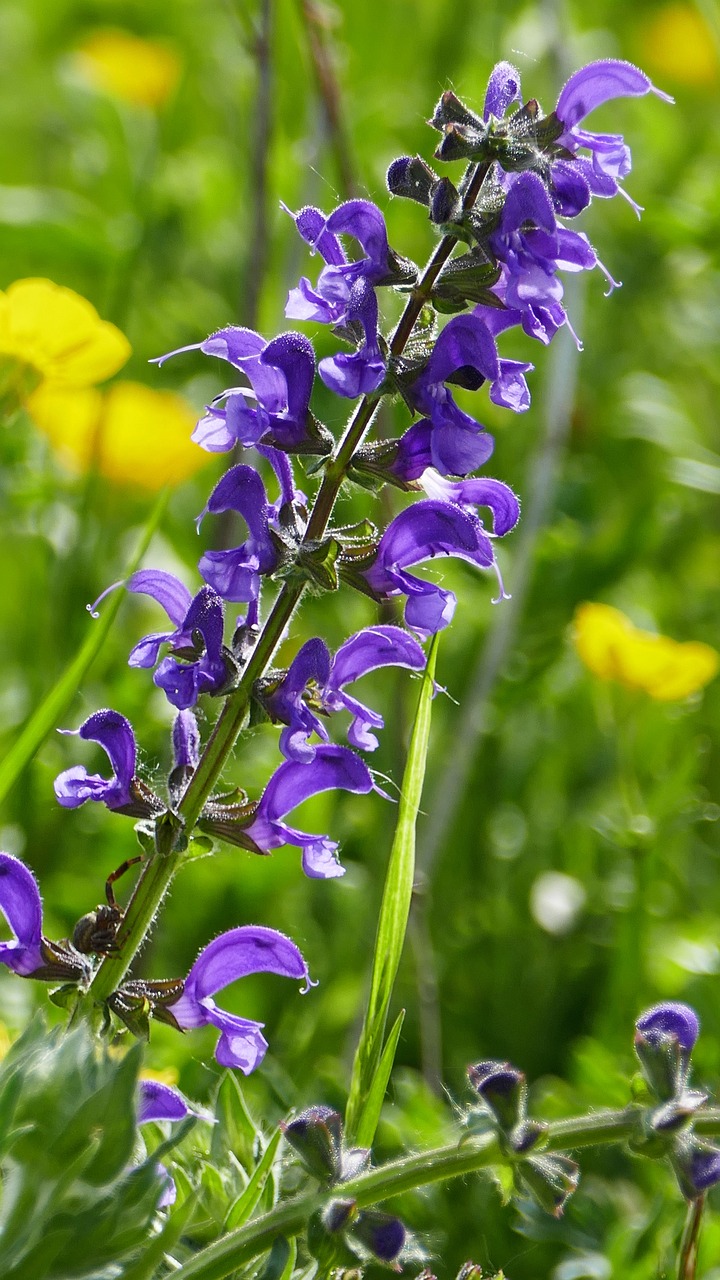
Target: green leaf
{"x":235,"y":1129}
{"x":247,"y":1201}
{"x":281,"y":1260}
{"x":392,"y":924}
{"x":376,"y":1095}
{"x":161,"y":1244}
{"x":57,"y":702}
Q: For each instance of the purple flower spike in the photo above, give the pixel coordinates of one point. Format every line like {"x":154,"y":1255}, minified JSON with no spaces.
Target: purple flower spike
{"x":197,"y":639}
{"x":334,"y":768}
{"x":235,"y":954}
{"x":670,"y":1019}
{"x":158,"y":1101}
{"x":235,"y":574}
{"x":587,"y":89}
{"x":114,"y":734}
{"x":20,"y":904}
{"x":419,"y":533}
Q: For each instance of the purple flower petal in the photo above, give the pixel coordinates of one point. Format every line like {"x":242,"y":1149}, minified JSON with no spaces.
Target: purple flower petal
{"x":20,"y":904}
{"x":597,"y":83}
{"x":365,"y":222}
{"x":374,"y":647}
{"x":164,"y":587}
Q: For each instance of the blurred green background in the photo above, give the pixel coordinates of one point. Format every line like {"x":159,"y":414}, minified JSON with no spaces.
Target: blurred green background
{"x":569,"y":851}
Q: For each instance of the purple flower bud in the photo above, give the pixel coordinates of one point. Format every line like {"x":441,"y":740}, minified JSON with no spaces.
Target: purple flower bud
{"x":186,"y":741}
{"x":664,"y":1039}
{"x":670,"y":1019}
{"x":316,"y":1135}
{"x":503,"y":1090}
{"x":380,"y":1233}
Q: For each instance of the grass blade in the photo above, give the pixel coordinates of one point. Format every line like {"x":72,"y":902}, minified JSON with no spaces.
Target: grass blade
{"x":392,"y":926}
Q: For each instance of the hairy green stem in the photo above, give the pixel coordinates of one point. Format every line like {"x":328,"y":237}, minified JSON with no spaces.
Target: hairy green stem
{"x":158,"y":872}
{"x":457,"y":1160}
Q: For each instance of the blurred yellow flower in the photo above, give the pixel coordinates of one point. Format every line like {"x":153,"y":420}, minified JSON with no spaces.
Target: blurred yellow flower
{"x":138,"y":436}
{"x":167,"y":1075}
{"x":142,"y":72}
{"x":614,"y":649}
{"x":678,"y":44}
{"x":50,"y":336}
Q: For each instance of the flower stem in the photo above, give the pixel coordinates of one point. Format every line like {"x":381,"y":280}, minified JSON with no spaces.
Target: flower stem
{"x":457,"y":1160}
{"x":158,"y":872}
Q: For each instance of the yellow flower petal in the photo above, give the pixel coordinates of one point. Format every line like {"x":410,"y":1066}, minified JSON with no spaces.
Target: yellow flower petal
{"x":59,"y":333}
{"x":678,"y":44}
{"x":612,"y":648}
{"x":142,"y":72}
{"x":144,"y":435}
{"x":600,"y":633}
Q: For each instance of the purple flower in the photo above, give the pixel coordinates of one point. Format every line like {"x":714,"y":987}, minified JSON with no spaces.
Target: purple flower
{"x":158,"y":1101}
{"x":328,"y":301}
{"x":20,"y":904}
{"x":235,"y":954}
{"x":419,"y":533}
{"x":275,"y":407}
{"x":703,"y":1167}
{"x":200,"y":665}
{"x":235,"y":574}
{"x":464,"y":353}
{"x":114,"y":734}
{"x":503,"y":88}
{"x":333,"y":768}
{"x":186,"y":741}
{"x":361,"y":372}
{"x":314,"y":684}
{"x":532,"y":248}
{"x":670,"y":1020}
{"x":588,"y":88}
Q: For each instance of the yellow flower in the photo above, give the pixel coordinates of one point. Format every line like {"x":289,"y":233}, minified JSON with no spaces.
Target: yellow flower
{"x":167,"y":1075}
{"x":679,"y":45}
{"x":142,"y":72}
{"x":614,"y":649}
{"x":138,"y":436}
{"x":51,"y":336}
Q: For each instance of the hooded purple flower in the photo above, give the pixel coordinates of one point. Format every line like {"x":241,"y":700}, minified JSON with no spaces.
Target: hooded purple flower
{"x":334,"y":768}
{"x":480,"y":491}
{"x":276,"y":405}
{"x":419,"y":533}
{"x":114,"y":734}
{"x":575,"y":182}
{"x":328,"y":301}
{"x":532,"y":248}
{"x":344,"y":294}
{"x":20,"y":904}
{"x":235,"y":574}
{"x":235,"y":954}
{"x":465,"y":353}
{"x":314,"y":685}
{"x":200,"y":665}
